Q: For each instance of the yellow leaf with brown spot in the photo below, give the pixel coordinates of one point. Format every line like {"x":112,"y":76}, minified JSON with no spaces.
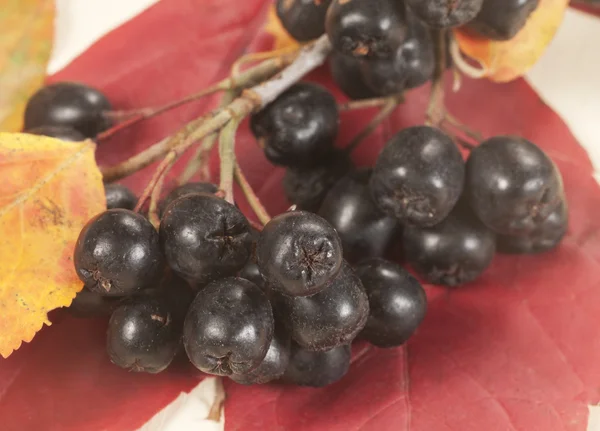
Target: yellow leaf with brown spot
{"x":49,"y":190}
{"x":25,"y":46}
{"x":503,"y":61}
{"x":282,"y":39}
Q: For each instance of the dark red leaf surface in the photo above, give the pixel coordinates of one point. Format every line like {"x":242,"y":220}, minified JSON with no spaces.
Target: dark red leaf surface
{"x":517,"y":350}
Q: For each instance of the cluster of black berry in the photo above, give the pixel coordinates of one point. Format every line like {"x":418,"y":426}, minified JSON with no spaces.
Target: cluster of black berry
{"x":288,"y":301}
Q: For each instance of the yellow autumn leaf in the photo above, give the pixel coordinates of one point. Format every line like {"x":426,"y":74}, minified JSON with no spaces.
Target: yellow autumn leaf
{"x":49,"y":190}
{"x":503,"y":61}
{"x":25,"y":46}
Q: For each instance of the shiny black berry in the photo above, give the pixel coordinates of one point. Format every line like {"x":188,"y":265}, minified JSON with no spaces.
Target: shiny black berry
{"x":366,"y":28}
{"x":229,"y":327}
{"x":307,"y":187}
{"x":118,"y":253}
{"x":445,"y":13}
{"x":59,"y":132}
{"x":397,"y":302}
{"x":418,"y":177}
{"x":365,"y":231}
{"x":502,"y":19}
{"x":512,"y":185}
{"x":142,"y":335}
{"x":451,"y":253}
{"x":274,"y":364}
{"x":304,"y":20}
{"x":347,"y":73}
{"x":299,"y":253}
{"x":119,"y":196}
{"x":299,"y":127}
{"x":184,"y":190}
{"x":205,"y":238}
{"x":317,"y":369}
{"x":88,"y":304}
{"x":544,"y":237}
{"x":330,"y":318}
{"x":68,"y":104}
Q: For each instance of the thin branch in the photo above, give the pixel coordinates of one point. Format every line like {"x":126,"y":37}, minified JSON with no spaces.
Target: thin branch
{"x":453,"y":121}
{"x":363,"y":104}
{"x":227,"y":155}
{"x":253,"y":200}
{"x":247,"y":78}
{"x":162,"y":168}
{"x":199,"y":160}
{"x":384,"y":113}
{"x":435,"y":110}
{"x":260,"y":95}
{"x":309,"y":58}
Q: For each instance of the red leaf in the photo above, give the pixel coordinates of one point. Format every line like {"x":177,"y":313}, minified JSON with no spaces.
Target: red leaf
{"x":516,"y":350}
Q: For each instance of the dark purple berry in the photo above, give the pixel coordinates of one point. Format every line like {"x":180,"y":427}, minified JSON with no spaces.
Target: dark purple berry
{"x":330,"y":318}
{"x":366,"y":28}
{"x":119,"y":196}
{"x":418,"y":177}
{"x":397,"y":302}
{"x":274,"y":364}
{"x":228,"y":328}
{"x":142,"y":335}
{"x":304,"y":20}
{"x":205,"y":238}
{"x":453,"y":252}
{"x":317,"y":369}
{"x":185,"y":190}
{"x":502,"y":19}
{"x":299,"y":128}
{"x":445,"y":13}
{"x":118,"y":253}
{"x":299,"y":253}
{"x":68,"y":104}
{"x":544,"y":237}
{"x":365,"y":231}
{"x":512,"y":185}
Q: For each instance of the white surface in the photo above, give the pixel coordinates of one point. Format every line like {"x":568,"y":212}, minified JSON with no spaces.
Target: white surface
{"x":81,"y":22}
{"x":188,"y":411}
{"x":566,"y":78}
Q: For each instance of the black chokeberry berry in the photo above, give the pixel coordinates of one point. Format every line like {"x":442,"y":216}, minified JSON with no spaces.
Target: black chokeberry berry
{"x":365,"y":231}
{"x":274,"y":364}
{"x":68,"y":104}
{"x":397,"y":302}
{"x":363,"y":28}
{"x":88,"y":304}
{"x":59,"y":132}
{"x":299,"y":253}
{"x":229,"y":327}
{"x":142,"y":335}
{"x":307,"y":187}
{"x":184,"y":190}
{"x":304,"y":20}
{"x":544,"y":237}
{"x":118,"y":253}
{"x":317,"y":369}
{"x":347,"y":73}
{"x":205,"y":238}
{"x":419,"y":176}
{"x":512,"y":185}
{"x":453,"y":252}
{"x":330,"y":318}
{"x":119,"y":196}
{"x":445,"y":13}
{"x":502,"y":19}
{"x":299,"y":127}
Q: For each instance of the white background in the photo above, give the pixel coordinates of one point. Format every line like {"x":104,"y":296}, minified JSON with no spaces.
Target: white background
{"x":567,"y":78}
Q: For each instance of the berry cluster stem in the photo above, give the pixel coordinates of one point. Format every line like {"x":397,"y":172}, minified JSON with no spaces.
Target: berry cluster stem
{"x":253,"y":200}
{"x":227,"y":154}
